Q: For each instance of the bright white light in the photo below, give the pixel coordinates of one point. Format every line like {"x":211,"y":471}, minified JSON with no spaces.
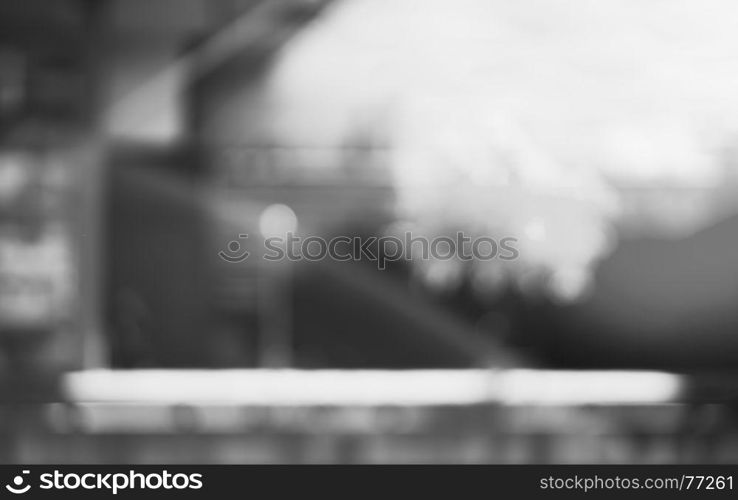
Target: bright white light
{"x":569,"y":285}
{"x":370,"y":387}
{"x":588,"y":387}
{"x":276,"y":221}
{"x":535,"y":230}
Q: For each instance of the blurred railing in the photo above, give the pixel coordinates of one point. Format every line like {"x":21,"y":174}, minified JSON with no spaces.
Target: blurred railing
{"x":245,"y":416}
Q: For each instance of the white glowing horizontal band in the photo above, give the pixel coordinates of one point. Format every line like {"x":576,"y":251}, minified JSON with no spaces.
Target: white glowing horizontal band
{"x":371,"y":387}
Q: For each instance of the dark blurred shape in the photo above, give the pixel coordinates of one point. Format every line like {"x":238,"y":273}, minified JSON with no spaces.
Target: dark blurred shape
{"x":658,"y":302}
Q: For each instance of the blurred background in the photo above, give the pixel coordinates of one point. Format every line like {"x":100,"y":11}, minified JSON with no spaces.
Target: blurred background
{"x":140,"y":140}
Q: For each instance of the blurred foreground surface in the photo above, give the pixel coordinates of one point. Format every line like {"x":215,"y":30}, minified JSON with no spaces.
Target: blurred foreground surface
{"x":410,"y":416}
